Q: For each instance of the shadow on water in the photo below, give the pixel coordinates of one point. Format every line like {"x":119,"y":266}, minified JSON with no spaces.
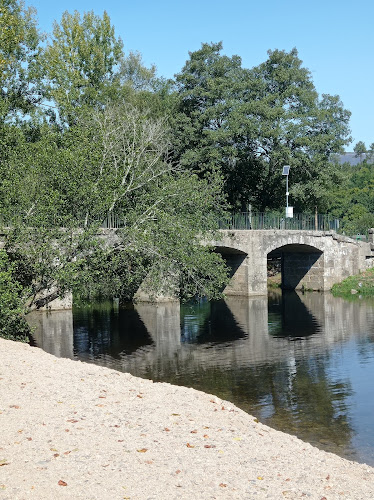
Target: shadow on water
{"x":289,"y":316}
{"x":244,"y":350}
{"x":209,"y":322}
{"x":106,"y":330}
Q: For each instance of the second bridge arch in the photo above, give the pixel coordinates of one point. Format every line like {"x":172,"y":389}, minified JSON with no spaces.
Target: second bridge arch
{"x":301,"y":266}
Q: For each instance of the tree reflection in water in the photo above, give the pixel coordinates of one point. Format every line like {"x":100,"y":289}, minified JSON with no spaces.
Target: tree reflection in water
{"x":277,"y":357}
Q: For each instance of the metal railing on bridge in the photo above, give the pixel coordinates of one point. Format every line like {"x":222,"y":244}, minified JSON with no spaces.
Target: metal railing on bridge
{"x":257,"y":220}
{"x":113,"y":221}
{"x":253,"y":220}
{"x":300,"y":222}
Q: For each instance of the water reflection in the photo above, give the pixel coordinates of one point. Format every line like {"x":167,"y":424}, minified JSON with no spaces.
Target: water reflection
{"x":290,"y":317}
{"x":301,"y":363}
{"x":102,"y":331}
{"x":54,"y":332}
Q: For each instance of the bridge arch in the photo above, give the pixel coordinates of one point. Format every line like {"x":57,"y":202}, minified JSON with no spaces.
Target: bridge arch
{"x":302,"y":266}
{"x":311,"y":259}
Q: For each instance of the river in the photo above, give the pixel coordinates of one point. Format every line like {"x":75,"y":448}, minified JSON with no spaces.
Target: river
{"x":301,"y":363}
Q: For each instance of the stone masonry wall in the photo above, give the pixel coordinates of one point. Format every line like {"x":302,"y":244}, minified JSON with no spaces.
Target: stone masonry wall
{"x":303,"y":270}
{"x":313,"y":259}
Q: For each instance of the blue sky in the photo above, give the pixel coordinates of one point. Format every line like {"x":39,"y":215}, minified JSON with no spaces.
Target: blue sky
{"x":335,"y":38}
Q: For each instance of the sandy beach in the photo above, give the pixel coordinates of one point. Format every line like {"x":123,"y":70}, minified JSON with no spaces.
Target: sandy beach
{"x":72,"y":430}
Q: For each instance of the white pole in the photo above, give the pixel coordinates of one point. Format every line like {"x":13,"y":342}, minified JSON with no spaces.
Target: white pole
{"x":287,"y":190}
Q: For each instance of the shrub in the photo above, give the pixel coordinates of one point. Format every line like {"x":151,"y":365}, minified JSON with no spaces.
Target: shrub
{"x":13,"y":325}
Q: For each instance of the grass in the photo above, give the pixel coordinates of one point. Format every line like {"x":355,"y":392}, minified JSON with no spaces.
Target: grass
{"x":275,"y":281}
{"x":363,"y":283}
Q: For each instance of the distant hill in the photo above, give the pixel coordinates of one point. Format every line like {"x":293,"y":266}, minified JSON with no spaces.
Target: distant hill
{"x":350,"y":158}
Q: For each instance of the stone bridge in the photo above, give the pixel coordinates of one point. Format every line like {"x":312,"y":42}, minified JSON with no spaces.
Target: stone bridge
{"x":313,"y":260}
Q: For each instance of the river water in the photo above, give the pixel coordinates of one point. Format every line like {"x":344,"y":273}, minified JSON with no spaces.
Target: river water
{"x":303,"y":364}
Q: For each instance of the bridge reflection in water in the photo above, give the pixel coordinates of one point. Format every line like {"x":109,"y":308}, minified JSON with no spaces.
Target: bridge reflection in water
{"x":285,"y":359}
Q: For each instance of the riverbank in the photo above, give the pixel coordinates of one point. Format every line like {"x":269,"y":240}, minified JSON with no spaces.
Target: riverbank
{"x":361,"y":284}
{"x":76,"y":430}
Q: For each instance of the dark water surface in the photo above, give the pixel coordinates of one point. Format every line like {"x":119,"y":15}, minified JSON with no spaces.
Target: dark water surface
{"x":303,"y":364}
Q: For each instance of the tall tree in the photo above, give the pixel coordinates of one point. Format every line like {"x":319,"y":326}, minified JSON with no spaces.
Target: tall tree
{"x":208,"y":86}
{"x":19,"y":48}
{"x":80,"y":62}
{"x":112,"y":161}
{"x":20,"y":89}
{"x":248,"y":123}
{"x":360,"y":149}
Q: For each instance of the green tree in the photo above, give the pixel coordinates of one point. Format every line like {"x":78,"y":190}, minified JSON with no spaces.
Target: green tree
{"x":246,"y":124}
{"x":12,"y":323}
{"x":370,"y":152}
{"x":352,"y":199}
{"x":360,"y":149}
{"x":19,"y":48}
{"x":20,"y":90}
{"x":208,"y":87}
{"x":80,"y":62}
{"x":112,"y":161}
{"x":60,"y":183}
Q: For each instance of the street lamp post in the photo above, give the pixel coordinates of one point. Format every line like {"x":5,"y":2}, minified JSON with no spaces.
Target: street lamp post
{"x":289,"y":210}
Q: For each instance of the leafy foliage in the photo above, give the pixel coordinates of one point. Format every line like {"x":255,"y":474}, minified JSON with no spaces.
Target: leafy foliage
{"x":111,"y":161}
{"x":360,"y":149}
{"x":352,"y":199}
{"x":248,"y":123}
{"x":12,"y":323}
{"x":79,"y":62}
{"x":19,"y":47}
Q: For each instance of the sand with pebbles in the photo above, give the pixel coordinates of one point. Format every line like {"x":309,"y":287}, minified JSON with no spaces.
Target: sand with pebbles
{"x":78,"y":431}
